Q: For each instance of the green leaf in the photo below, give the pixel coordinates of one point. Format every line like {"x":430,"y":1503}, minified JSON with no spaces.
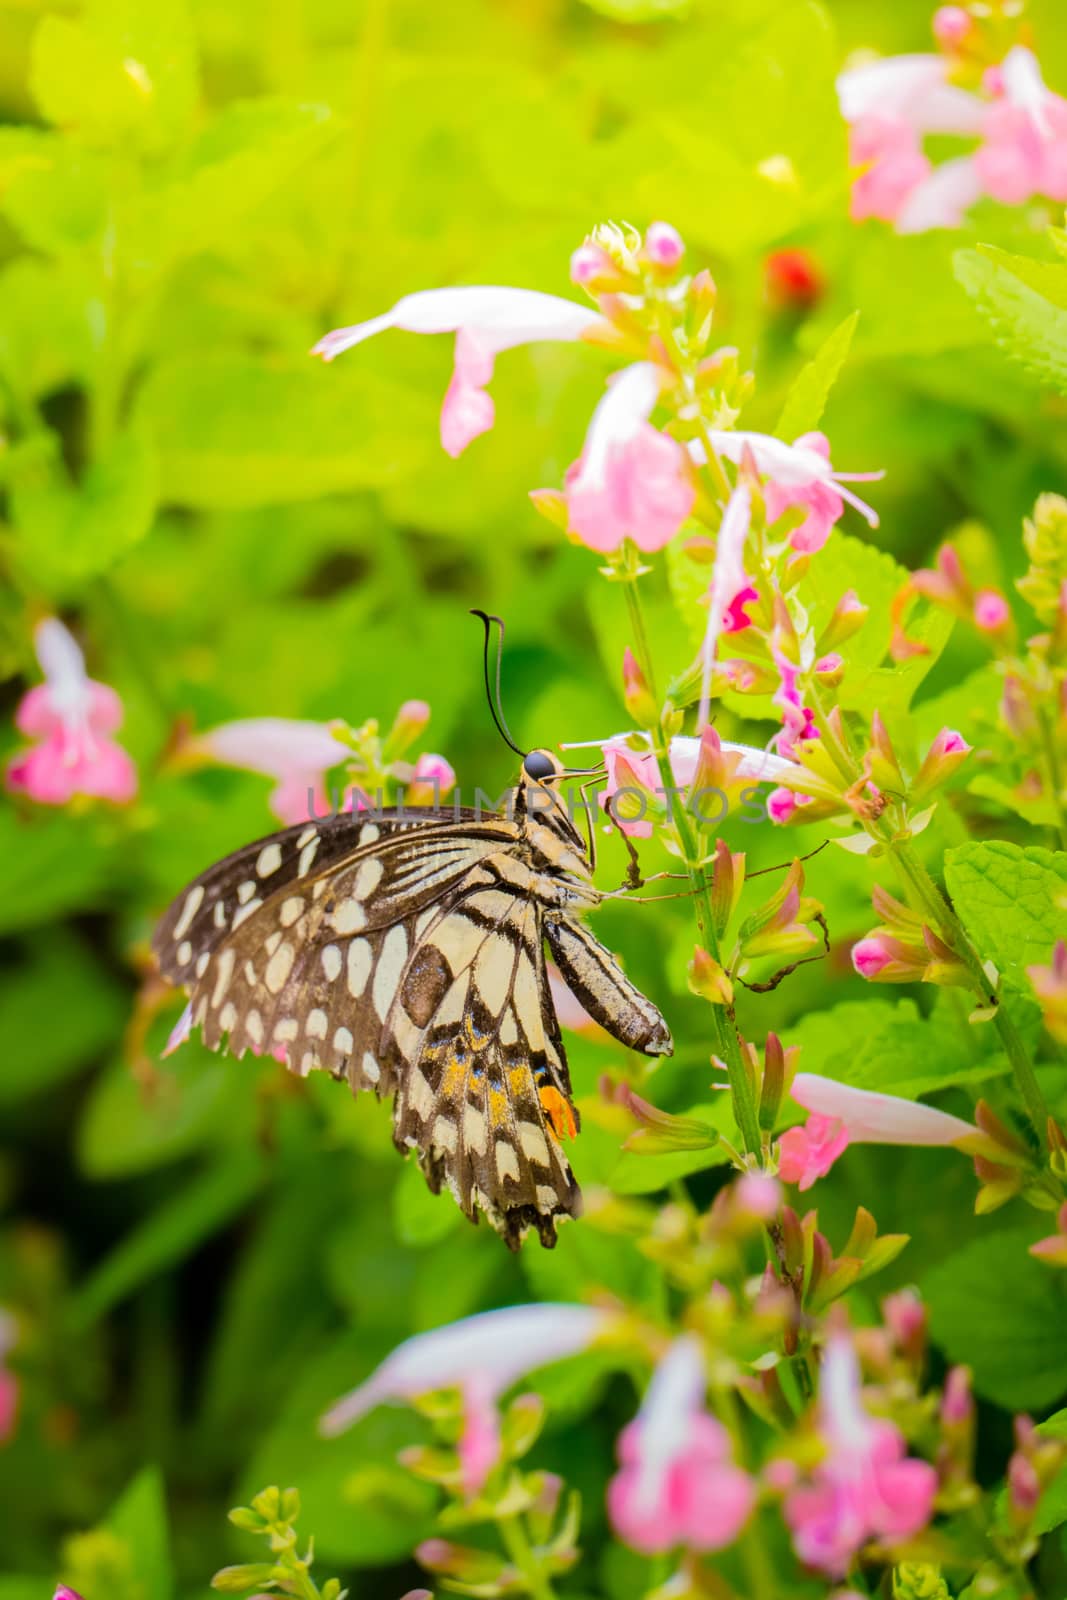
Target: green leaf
{"x":422,"y":1217}
{"x":1012,"y":901}
{"x":889,"y":1046}
{"x":46,"y":339}
{"x":52,"y":190}
{"x":52,"y":864}
{"x":93,"y":1009}
{"x":129,"y":1126}
{"x":235,"y":432}
{"x":1001,"y":1312}
{"x":1052,"y":1512}
{"x":123,"y":71}
{"x":245,"y":154}
{"x":1025,"y":304}
{"x":81,"y":531}
{"x":140,"y":1521}
{"x":807,"y":399}
{"x":166,"y":1236}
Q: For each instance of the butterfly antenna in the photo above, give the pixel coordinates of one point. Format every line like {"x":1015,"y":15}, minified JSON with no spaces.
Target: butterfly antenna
{"x":495,"y":707}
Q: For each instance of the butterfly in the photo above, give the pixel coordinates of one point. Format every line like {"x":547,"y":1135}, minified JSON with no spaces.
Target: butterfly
{"x":404,"y":951}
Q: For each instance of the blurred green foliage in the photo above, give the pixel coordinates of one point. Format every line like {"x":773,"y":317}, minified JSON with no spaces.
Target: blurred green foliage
{"x":202,"y":1254}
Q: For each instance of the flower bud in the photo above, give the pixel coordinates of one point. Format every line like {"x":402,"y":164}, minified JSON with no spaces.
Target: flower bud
{"x":708,"y":979}
{"x":663,"y":247}
{"x":905,"y":1318}
{"x":881,"y":958}
{"x":772,"y":1085}
{"x":952,"y":26}
{"x":235,"y":1580}
{"x":1045,"y":538}
{"x":992,"y":614}
{"x":464,"y":1563}
{"x":661,"y":1133}
{"x":881,"y":764}
{"x":794,"y":280}
{"x":948,"y":751}
{"x":848,"y":618}
{"x":593,"y":269}
{"x":919,"y":1580}
{"x":432,"y":780}
{"x":410,"y":721}
{"x":636,"y":693}
{"x":727,"y":881}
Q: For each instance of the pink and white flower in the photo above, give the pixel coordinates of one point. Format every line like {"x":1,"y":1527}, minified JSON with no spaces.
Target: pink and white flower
{"x":9,"y":1383}
{"x":486,"y":321}
{"x":296,"y":754}
{"x":678,"y":1483}
{"x":482,"y":1356}
{"x":866,"y":1486}
{"x":798,"y":475}
{"x":72,"y":718}
{"x":730,"y":589}
{"x":843,"y":1115}
{"x":1024,"y":149}
{"x":631,"y":481}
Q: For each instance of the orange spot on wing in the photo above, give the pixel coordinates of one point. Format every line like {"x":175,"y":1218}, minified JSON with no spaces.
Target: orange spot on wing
{"x":559,"y":1113}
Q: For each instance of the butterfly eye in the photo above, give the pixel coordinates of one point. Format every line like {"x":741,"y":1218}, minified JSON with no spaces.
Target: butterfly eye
{"x":539,"y":764}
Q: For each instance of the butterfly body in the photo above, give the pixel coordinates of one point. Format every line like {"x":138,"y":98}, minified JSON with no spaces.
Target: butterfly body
{"x":404,"y":952}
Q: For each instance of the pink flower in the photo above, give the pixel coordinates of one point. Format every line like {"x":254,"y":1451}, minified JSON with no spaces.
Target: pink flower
{"x":297,"y":754}
{"x":890,"y":105}
{"x":914,"y":89}
{"x":431,"y":781}
{"x":1025,"y":145}
{"x":63,"y":1593}
{"x":72,"y":718}
{"x":866,"y":1487}
{"x":9,"y":1383}
{"x":948,"y":751}
{"x":631,"y":481}
{"x":808,"y":1152}
{"x":799,"y":475}
{"x":730,"y":589}
{"x":882,"y":958}
{"x":890,"y":151}
{"x":952,"y":25}
{"x":485,"y":322}
{"x":783,"y":804}
{"x":1050,"y":986}
{"x":482,"y":1356}
{"x":632,"y":781}
{"x":663,"y":245}
{"x":991,"y":611}
{"x":942,"y":199}
{"x":677,"y":1483}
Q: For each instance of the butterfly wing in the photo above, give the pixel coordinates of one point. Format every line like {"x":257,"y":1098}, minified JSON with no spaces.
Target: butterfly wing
{"x":595,"y":978}
{"x":484,"y":1091}
{"x":307,"y":973}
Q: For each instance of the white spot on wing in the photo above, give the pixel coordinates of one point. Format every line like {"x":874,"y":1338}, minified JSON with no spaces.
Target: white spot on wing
{"x":371,"y":1070}
{"x":223,"y":974}
{"x":189,"y":909}
{"x":290,"y":910}
{"x":388,"y":971}
{"x":360,"y":957}
{"x":279,"y":967}
{"x":269,"y":859}
{"x":349,"y":916}
{"x":332,"y":961}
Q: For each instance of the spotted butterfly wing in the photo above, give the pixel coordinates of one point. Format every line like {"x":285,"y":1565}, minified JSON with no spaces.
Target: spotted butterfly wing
{"x":389,"y":952}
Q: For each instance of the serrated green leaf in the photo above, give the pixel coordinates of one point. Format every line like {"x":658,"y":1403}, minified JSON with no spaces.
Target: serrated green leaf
{"x":807,"y":399}
{"x":1028,"y":326}
{"x":1011,"y":899}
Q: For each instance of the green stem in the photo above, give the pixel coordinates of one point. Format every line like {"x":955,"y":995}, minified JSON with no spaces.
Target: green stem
{"x":637,"y":625}
{"x":942,"y":914}
{"x":1055,"y":774}
{"x":726,"y":1041}
{"x":522,"y":1556}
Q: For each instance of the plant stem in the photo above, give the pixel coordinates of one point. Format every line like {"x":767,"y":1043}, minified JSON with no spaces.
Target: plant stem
{"x":726,"y":1042}
{"x":1055,"y":774}
{"x":522,"y":1556}
{"x":950,"y":926}
{"x":637,"y":625}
